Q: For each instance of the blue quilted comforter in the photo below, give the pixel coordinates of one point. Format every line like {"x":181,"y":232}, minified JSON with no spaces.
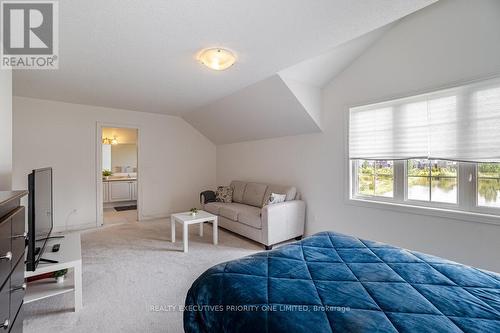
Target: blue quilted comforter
{"x":331,"y":282}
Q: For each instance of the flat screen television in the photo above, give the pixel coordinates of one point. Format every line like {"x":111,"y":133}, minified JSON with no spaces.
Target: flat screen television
{"x":40,"y":214}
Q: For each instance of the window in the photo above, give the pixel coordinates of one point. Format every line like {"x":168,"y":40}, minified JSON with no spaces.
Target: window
{"x":436,"y":150}
{"x":488,"y":185}
{"x":432,"y":180}
{"x":375,"y":178}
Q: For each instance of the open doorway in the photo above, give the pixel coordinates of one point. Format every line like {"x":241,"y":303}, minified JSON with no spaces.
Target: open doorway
{"x":117,"y":183}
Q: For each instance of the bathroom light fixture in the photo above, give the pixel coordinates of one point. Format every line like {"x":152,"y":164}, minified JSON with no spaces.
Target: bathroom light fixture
{"x":217,"y":58}
{"x":108,"y":141}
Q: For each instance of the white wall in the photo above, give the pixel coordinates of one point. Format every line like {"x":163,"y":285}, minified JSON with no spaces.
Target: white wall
{"x":5,"y":129}
{"x":175,"y":162}
{"x":450,"y":41}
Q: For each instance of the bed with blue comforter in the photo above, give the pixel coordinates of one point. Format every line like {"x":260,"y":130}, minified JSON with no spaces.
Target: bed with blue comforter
{"x":331,"y":282}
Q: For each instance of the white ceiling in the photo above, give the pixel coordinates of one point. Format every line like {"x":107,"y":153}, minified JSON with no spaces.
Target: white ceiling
{"x":285,"y":104}
{"x":139,"y":55}
{"x":263,"y":110}
{"x":320,"y":70}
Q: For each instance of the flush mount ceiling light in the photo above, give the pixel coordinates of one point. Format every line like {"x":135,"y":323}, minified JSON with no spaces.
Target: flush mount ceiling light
{"x":217,"y":58}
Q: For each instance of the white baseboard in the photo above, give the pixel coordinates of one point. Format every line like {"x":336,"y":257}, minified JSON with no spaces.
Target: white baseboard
{"x":93,"y":224}
{"x":153,"y":217}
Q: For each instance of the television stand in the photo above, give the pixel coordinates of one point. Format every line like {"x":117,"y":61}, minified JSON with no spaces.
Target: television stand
{"x":68,"y":257}
{"x":50,"y":261}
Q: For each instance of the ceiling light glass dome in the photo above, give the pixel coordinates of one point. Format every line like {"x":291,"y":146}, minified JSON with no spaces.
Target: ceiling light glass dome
{"x":217,"y":59}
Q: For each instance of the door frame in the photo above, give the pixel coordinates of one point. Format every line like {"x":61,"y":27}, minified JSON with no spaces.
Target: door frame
{"x":98,"y":169}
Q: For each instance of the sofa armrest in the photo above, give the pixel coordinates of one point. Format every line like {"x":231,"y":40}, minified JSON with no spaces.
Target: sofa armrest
{"x":283,"y":221}
{"x":206,"y":197}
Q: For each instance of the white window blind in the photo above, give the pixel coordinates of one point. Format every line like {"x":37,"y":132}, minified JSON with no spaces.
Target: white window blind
{"x":461,"y":124}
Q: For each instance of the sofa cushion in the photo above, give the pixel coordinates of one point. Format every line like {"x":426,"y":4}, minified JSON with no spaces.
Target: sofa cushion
{"x":213,"y":207}
{"x":242,"y":213}
{"x":238,"y":190}
{"x":254,"y":194}
{"x":250,"y":216}
{"x":229,"y":211}
{"x":290,"y":192}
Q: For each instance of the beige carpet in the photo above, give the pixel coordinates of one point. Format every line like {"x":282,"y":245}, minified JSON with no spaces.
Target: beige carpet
{"x":127,"y":270}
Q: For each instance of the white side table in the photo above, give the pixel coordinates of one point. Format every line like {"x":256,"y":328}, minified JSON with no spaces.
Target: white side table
{"x":186,"y":219}
{"x":69,"y":256}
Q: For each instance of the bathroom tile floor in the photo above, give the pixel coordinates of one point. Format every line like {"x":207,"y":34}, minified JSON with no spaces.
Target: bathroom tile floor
{"x":111,"y":216}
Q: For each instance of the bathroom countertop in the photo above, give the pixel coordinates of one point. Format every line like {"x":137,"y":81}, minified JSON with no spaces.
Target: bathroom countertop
{"x":119,"y":179}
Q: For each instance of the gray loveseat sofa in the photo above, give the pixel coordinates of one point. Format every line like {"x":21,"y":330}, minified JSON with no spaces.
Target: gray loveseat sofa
{"x":250,"y":216}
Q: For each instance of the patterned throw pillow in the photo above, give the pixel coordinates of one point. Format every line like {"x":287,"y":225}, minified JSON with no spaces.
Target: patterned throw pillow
{"x":224,"y":194}
{"x":276,"y":198}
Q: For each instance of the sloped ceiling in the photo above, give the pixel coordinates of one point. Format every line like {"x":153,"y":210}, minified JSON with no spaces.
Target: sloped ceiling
{"x":259,"y":111}
{"x":288,"y":103}
{"x":140,"y":55}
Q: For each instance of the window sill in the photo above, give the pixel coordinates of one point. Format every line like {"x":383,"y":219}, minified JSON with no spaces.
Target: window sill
{"x":472,"y":217}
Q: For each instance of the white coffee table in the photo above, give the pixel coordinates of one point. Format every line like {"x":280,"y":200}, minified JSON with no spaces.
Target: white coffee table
{"x":186,"y":219}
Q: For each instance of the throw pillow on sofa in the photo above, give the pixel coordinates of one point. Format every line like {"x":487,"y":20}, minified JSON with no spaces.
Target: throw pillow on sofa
{"x":275,"y":198}
{"x":224,"y":194}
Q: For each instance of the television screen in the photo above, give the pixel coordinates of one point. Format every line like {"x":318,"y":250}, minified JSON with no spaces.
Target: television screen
{"x":40,"y":214}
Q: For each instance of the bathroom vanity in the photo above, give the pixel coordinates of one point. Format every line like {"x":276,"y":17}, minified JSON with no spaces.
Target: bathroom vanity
{"x":119,"y":189}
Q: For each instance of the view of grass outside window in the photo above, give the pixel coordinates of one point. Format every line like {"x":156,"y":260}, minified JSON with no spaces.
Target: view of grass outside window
{"x":488,"y":184}
{"x":432,"y":180}
{"x":375,"y":178}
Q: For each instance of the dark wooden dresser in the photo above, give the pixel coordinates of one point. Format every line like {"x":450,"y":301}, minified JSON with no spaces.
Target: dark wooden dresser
{"x":12,"y":247}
